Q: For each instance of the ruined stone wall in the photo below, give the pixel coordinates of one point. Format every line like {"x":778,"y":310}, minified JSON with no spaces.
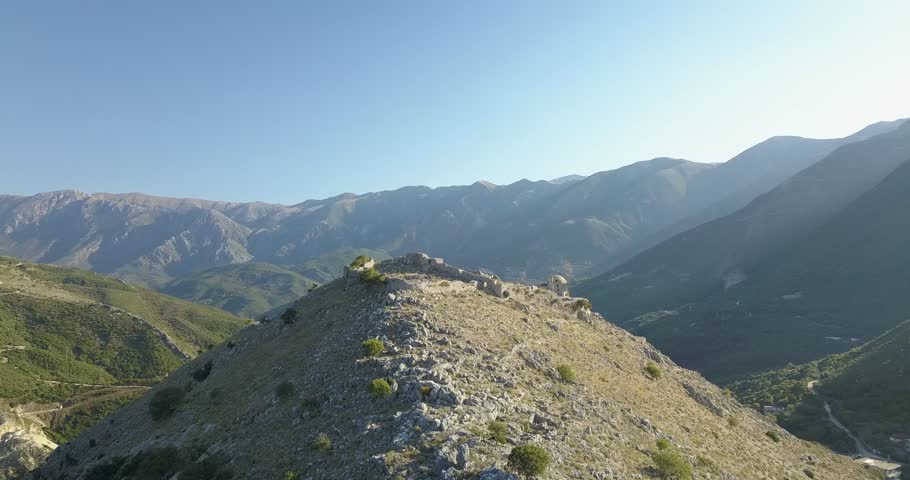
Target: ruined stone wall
{"x":488,"y":283}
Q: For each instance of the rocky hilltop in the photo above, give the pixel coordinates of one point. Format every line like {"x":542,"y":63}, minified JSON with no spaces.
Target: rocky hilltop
{"x":417,"y":369}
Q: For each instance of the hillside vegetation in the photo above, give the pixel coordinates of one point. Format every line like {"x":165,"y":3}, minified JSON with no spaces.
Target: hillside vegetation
{"x":865,"y":387}
{"x":248,"y":289}
{"x":775,"y":281}
{"x":419,"y":374}
{"x":76,"y":345}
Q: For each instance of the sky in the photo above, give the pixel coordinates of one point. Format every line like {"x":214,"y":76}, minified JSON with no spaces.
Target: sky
{"x":283,"y":101}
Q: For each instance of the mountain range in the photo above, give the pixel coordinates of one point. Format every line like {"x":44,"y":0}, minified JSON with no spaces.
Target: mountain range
{"x":577,"y":226}
{"x":818,"y":256}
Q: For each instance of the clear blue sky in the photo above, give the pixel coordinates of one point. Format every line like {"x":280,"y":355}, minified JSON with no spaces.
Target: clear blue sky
{"x":285,"y":101}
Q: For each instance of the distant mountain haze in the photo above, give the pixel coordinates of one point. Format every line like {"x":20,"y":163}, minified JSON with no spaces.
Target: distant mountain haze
{"x":526,"y":230}
{"x":821,"y":255}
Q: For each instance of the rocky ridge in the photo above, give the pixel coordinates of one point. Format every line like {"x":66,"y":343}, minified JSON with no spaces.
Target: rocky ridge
{"x":461,"y":350}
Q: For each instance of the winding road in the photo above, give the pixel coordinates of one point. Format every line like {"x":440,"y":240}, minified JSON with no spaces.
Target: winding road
{"x":861,"y":447}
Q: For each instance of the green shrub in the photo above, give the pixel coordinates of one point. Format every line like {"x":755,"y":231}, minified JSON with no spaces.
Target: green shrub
{"x":322,"y":442}
{"x":529,"y":460}
{"x":498,"y":431}
{"x":312,"y":405}
{"x":663,"y":444}
{"x":203,"y":372}
{"x":672,"y":466}
{"x":809,"y":473}
{"x":380,"y":388}
{"x":733,"y":422}
{"x":704,"y":462}
{"x":165,"y":402}
{"x":773,"y":436}
{"x":289,"y":316}
{"x":566,"y":372}
{"x":371,"y":275}
{"x":360,"y":261}
{"x":373,"y":347}
{"x":653,"y":370}
{"x":284,"y":390}
{"x":289,"y":475}
{"x":216,"y":394}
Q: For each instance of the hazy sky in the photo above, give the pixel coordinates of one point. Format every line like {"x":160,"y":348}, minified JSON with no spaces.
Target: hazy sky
{"x":285,"y":101}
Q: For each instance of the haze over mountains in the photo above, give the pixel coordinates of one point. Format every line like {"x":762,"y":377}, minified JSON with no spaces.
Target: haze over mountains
{"x":526,"y":230}
{"x":818,"y":256}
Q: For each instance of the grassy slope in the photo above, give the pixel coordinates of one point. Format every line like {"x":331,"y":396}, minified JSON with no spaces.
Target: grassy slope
{"x":868,"y":386}
{"x":247,"y":289}
{"x":63,"y":331}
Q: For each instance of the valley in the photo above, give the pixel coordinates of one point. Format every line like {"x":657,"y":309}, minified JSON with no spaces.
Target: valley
{"x":77,"y":346}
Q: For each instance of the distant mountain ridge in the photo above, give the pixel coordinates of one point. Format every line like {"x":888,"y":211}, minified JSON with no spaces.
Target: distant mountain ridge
{"x":764,"y":286}
{"x":526,"y":230}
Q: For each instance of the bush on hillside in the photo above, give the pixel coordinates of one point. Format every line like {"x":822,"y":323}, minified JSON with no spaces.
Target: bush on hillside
{"x":322,"y":442}
{"x":373,"y":347}
{"x":165,"y":402}
{"x":498,"y":431}
{"x":284,"y":390}
{"x":733,"y":422}
{"x":372,"y":276}
{"x":529,"y":460}
{"x":566,"y":373}
{"x":663,"y":444}
{"x":672,"y":466}
{"x":289,"y":316}
{"x":773,"y":436}
{"x":653,"y":370}
{"x":311,"y":406}
{"x":203,"y":372}
{"x":380,"y":388}
{"x":360,"y":261}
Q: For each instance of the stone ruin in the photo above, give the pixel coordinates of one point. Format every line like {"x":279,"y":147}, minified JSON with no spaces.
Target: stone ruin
{"x":488,"y":283}
{"x":558,"y":285}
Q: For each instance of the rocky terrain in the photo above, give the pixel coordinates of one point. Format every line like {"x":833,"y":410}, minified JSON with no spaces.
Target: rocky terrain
{"x":418,"y":369}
